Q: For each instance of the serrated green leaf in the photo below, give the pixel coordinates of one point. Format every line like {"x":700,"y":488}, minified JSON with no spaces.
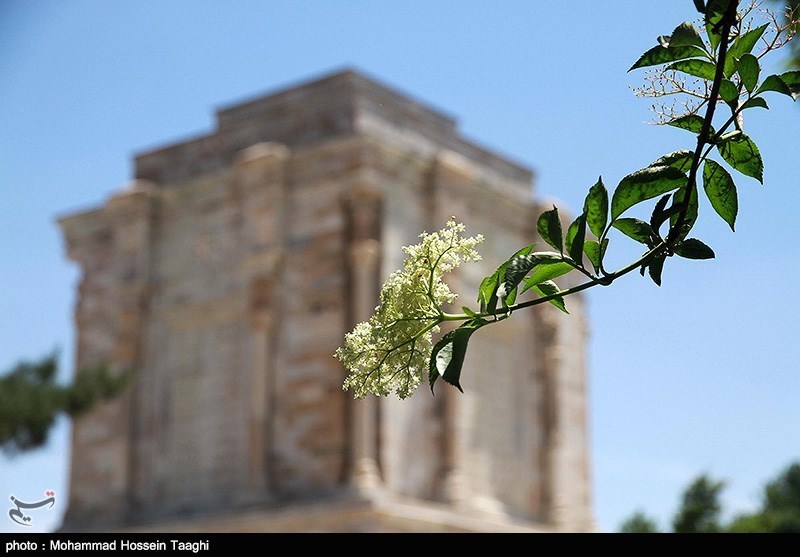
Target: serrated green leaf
{"x":545,"y":272}
{"x":548,"y":288}
{"x":635,"y":229}
{"x":787,"y":83}
{"x":447,"y":356}
{"x":691,"y":215}
{"x":721,"y":191}
{"x":596,"y":208}
{"x":742,"y":154}
{"x":644,"y":184}
{"x":680,"y":159}
{"x":576,"y":235}
{"x":728,"y":92}
{"x":694,"y":249}
{"x":749,"y":69}
{"x":741,"y":46}
{"x":655,"y":269}
{"x":697,"y":68}
{"x":686,"y":35}
{"x":755,"y":102}
{"x":659,"y":214}
{"x":549,"y":228}
{"x":662,"y":55}
{"x":691,"y":122}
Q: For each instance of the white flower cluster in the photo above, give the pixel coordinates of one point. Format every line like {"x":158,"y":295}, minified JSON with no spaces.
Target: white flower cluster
{"x":390,"y":352}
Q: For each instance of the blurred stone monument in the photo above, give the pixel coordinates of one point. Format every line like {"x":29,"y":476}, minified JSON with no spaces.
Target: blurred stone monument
{"x":227,"y":273}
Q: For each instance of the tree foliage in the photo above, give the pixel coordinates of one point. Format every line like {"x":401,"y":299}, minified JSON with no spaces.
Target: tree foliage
{"x":31,"y":400}
{"x":780,"y":509}
{"x":700,"y":507}
{"x":639,"y":523}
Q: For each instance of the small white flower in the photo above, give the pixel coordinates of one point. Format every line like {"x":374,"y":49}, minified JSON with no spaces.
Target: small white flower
{"x":390,"y":352}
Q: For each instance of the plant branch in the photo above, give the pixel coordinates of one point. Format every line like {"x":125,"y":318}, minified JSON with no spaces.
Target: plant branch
{"x":728,"y":21}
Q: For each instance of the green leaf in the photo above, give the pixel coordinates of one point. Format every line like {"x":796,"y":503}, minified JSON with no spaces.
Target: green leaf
{"x":728,"y":92}
{"x":697,"y":68}
{"x":548,"y":288}
{"x":713,"y":37}
{"x":792,"y":81}
{"x":668,"y":214}
{"x":692,"y":123}
{"x":516,"y":270}
{"x":775,"y":83}
{"x":660,"y":214}
{"x":445,"y":347}
{"x":545,"y":272}
{"x":713,"y":15}
{"x":755,"y":102}
{"x":644,"y":184}
{"x":655,"y":269}
{"x":487,"y":296}
{"x":691,"y":215}
{"x":741,"y":46}
{"x":662,"y":55}
{"x":596,"y":208}
{"x":694,"y":249}
{"x":748,"y":69}
{"x":741,"y":153}
{"x":471,"y":313}
{"x":686,"y":35}
{"x":576,"y":234}
{"x":680,"y":159}
{"x":721,"y":191}
{"x":592,"y":250}
{"x":636,"y":229}
{"x":549,"y":228}
{"x":487,"y":291}
{"x":548,"y":256}
{"x":447,"y":356}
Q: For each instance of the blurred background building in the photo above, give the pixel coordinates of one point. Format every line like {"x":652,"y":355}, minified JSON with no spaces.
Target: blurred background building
{"x":227,"y":273}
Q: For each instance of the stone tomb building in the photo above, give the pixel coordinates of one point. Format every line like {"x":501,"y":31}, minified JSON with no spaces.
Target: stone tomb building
{"x":227,"y":273}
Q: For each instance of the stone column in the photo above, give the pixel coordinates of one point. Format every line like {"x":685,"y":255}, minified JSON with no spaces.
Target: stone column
{"x":565,"y":492}
{"x":261,"y":188}
{"x":363,"y":217}
{"x":112,"y":246}
{"x":449,"y":174}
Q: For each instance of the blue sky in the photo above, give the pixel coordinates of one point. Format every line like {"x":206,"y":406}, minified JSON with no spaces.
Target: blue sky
{"x":700,"y":375}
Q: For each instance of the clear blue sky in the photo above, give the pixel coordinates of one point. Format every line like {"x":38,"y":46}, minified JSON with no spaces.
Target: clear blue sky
{"x":700,"y":375}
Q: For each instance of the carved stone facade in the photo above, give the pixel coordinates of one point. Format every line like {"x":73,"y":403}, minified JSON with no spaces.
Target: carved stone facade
{"x":225,"y":276}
